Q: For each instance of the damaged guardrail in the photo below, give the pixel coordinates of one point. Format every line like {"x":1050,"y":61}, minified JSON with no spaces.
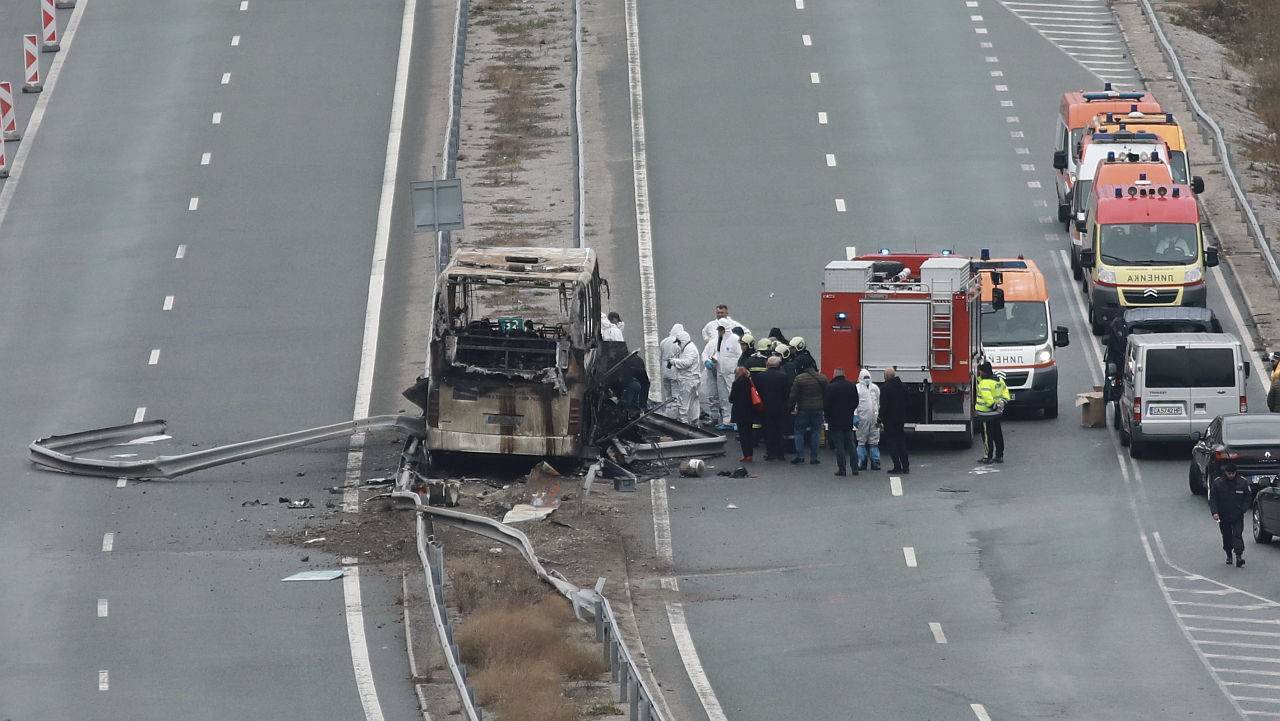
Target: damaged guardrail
{"x":64,"y":452}
{"x":623,"y":670}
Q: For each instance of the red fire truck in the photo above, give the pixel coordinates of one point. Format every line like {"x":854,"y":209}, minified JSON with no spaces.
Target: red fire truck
{"x":919,"y":313}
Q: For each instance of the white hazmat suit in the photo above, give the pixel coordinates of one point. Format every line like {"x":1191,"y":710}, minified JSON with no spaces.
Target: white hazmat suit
{"x":610,"y":330}
{"x":668,"y":349}
{"x":868,"y":431}
{"x":688,"y":366}
{"x":722,"y":352}
{"x":709,"y":330}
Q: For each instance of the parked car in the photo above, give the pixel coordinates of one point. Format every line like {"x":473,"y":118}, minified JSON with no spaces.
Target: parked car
{"x":1170,"y":319}
{"x":1252,"y":442}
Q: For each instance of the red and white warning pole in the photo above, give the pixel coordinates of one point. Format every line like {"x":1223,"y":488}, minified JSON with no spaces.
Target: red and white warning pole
{"x":49,"y":24}
{"x":31,"y":58}
{"x":4,"y":163}
{"x":8,"y":119}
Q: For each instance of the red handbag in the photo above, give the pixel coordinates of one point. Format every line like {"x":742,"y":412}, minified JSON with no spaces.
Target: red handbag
{"x":756,"y":401}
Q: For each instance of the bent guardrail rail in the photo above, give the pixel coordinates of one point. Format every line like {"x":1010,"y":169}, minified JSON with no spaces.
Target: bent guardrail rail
{"x":1224,"y":153}
{"x":63,"y":452}
{"x":623,"y":670}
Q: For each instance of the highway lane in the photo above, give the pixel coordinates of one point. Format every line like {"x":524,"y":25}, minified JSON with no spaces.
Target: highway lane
{"x":1043,"y":574}
{"x":191,"y":238}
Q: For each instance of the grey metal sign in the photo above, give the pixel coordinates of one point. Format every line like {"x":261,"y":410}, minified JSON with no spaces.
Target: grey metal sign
{"x":437,"y":205}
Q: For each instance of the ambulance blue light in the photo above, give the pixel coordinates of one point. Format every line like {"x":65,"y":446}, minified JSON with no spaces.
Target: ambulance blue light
{"x":946,"y":252}
{"x":884,"y":251}
{"x":842,"y":316}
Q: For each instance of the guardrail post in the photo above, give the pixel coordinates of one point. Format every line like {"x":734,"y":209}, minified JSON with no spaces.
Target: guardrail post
{"x":613,"y":661}
{"x":599,"y":613}
{"x":624,"y":685}
{"x":646,"y":710}
{"x":605,"y":648}
{"x":635,"y":700}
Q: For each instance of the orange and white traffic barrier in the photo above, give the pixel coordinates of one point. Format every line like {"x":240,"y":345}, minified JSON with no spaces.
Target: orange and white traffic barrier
{"x":49,"y":24}
{"x":31,"y":58}
{"x":4,"y":163}
{"x":8,"y":119}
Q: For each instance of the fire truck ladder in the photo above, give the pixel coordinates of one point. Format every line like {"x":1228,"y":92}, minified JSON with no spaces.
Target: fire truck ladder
{"x":941,"y":332}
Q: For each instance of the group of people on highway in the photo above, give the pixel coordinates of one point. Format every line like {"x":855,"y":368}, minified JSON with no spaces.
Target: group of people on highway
{"x":768,"y":387}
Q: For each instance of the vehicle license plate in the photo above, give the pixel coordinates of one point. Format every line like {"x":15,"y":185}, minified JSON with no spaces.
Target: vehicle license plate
{"x":1164,"y":410}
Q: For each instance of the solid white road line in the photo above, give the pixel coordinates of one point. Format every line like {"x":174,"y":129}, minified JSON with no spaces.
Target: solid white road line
{"x":108,"y":542}
{"x":102,"y":608}
{"x":640,"y":177}
{"x":909,"y":554}
{"x":895,"y":485}
{"x":661,"y":520}
{"x":360,"y":663}
{"x":355,"y":636}
{"x":938,"y":635}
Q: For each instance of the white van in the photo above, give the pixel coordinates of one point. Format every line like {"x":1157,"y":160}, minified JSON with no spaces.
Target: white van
{"x":1175,"y":383}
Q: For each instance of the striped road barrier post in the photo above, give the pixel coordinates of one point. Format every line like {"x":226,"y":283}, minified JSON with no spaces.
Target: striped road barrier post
{"x":49,"y":24}
{"x":31,"y":58}
{"x":8,"y":118}
{"x":4,"y":163}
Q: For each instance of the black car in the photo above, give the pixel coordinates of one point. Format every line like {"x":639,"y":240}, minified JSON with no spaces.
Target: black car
{"x":1252,"y":442}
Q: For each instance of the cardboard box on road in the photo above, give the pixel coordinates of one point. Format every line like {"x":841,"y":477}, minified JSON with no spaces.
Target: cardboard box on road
{"x":1093,"y":410}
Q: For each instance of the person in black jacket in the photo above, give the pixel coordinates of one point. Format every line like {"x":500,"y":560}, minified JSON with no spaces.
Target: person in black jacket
{"x":893,"y":416}
{"x":775,"y":391}
{"x":841,"y":403}
{"x":1229,"y":498}
{"x":744,"y":415}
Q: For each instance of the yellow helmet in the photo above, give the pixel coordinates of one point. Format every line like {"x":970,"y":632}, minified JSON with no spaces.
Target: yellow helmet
{"x":764,"y":344}
{"x":749,"y":339}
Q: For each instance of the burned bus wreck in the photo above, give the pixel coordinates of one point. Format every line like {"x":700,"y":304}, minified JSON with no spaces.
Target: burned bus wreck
{"x":514,"y":347}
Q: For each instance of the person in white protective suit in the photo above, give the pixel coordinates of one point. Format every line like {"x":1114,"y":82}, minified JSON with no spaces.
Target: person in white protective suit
{"x":611,"y":326}
{"x":668,"y":349}
{"x":868,"y":422}
{"x":719,"y":358}
{"x":688,"y":367}
{"x":722,"y":316}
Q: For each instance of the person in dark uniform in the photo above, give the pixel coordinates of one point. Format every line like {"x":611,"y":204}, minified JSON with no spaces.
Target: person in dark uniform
{"x":775,"y":391}
{"x":893,"y":416}
{"x":841,"y":405}
{"x":1229,"y":498}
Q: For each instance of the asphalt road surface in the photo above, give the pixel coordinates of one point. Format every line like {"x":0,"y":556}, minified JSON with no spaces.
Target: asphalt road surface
{"x":1069,"y":582}
{"x":190,"y":237}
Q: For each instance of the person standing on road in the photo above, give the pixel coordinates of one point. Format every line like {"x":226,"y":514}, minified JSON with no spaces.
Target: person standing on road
{"x":688,"y":367}
{"x":775,"y":391}
{"x":840,"y":406}
{"x":668,"y":349}
{"x":611,"y":326}
{"x":992,"y":395}
{"x":743,"y":412}
{"x":1229,"y":498}
{"x":868,"y":420}
{"x":722,"y":317}
{"x":893,"y":416}
{"x":808,"y":395}
{"x":720,"y":357}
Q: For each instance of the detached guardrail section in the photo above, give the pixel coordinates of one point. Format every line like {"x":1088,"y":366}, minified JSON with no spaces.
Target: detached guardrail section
{"x":1204,"y":120}
{"x":623,"y":670}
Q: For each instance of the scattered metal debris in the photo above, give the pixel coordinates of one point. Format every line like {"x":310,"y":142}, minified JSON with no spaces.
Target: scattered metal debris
{"x":325,"y":575}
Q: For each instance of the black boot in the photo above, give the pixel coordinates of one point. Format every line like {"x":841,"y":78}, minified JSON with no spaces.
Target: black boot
{"x":1228,"y":558}
{"x":1239,"y":560}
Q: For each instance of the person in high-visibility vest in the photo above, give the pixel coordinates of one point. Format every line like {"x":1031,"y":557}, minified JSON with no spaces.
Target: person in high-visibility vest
{"x":992,"y":395}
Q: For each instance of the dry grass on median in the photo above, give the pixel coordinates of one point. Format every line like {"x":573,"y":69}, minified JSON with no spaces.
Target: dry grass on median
{"x":1250,"y":29}
{"x":522,"y":656}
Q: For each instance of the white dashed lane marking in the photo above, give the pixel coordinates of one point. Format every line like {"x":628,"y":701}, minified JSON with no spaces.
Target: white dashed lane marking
{"x":938,"y":635}
{"x":831,"y":160}
{"x":895,"y":485}
{"x":108,"y":542}
{"x":102,"y":608}
{"x":909,"y":555}
{"x":104,"y":681}
{"x":980,"y":711}
{"x":155,"y":357}
{"x":217,"y":118}
{"x":226,"y":78}
{"x":813,"y":78}
{"x":235,"y":40}
{"x":168,"y":303}
{"x":840,"y":206}
{"x":822,"y":118}
{"x":806,"y":40}
{"x":193,"y":204}
{"x":139,"y":414}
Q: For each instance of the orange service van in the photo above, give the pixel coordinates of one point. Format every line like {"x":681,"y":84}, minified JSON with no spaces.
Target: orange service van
{"x":1143,"y":246}
{"x":1076,"y":111}
{"x":1159,"y":124}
